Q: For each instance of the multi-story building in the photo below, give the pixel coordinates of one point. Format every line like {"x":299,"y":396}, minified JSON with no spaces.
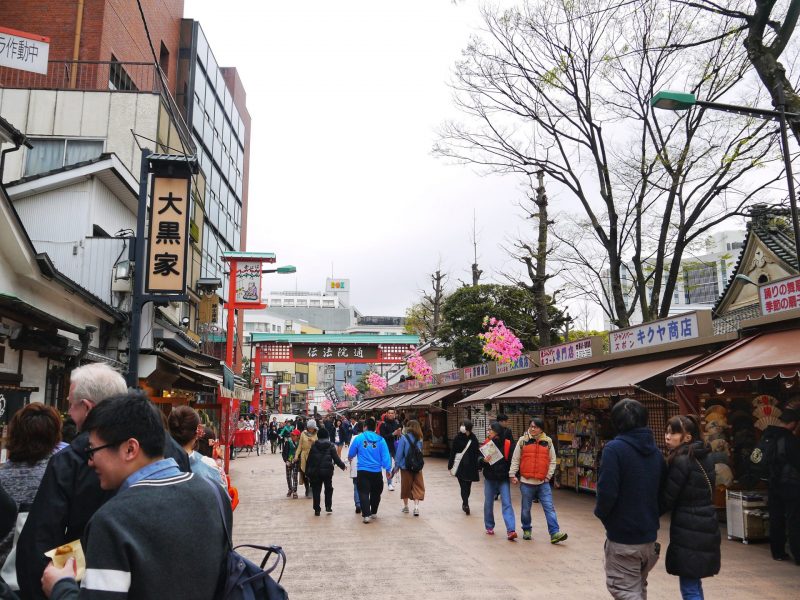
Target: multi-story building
{"x":704,"y":275}
{"x":102,"y":98}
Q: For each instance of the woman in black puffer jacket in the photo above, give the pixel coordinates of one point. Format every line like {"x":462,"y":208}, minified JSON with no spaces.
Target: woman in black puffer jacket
{"x":467,"y":471}
{"x":694,"y":538}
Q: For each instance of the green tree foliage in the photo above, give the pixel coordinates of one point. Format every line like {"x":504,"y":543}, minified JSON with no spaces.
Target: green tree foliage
{"x":361,"y":384}
{"x":464,"y":310}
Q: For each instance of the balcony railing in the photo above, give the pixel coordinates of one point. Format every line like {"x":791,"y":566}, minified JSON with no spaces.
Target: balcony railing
{"x":98,"y":76}
{"x":87,"y":75}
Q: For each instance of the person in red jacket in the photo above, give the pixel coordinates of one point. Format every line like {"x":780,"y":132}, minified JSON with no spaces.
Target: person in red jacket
{"x":532,"y":466}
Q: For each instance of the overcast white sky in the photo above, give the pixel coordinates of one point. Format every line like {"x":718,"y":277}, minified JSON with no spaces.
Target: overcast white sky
{"x":345,"y":98}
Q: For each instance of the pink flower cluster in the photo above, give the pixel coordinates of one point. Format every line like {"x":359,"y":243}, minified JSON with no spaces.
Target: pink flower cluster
{"x":499,"y":342}
{"x":350,"y":390}
{"x":327,"y":405}
{"x":418,"y":367}
{"x":376,"y":383}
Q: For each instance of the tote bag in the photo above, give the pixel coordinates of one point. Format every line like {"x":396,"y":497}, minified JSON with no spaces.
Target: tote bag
{"x":457,"y":459}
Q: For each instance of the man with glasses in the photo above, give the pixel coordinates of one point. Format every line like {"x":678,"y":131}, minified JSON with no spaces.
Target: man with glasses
{"x":142,"y":544}
{"x":532,"y":466}
{"x":70,"y":492}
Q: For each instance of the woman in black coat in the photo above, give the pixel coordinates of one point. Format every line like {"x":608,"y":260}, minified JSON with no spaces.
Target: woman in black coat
{"x":467,"y":471}
{"x":694,"y":538}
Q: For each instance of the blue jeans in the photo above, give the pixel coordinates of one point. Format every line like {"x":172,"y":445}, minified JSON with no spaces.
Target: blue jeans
{"x":355,"y":493}
{"x":545,"y":495}
{"x":490,"y":489}
{"x":691,"y":589}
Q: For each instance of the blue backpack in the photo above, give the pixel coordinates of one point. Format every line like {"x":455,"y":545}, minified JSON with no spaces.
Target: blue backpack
{"x":244,"y":579}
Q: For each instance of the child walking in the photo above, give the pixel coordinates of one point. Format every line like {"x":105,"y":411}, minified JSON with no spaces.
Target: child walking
{"x":287,"y":452}
{"x":694,"y":538}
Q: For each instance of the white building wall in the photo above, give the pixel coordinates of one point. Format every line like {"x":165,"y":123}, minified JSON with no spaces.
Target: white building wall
{"x":61,"y":216}
{"x":76,"y":114}
{"x":108,"y":211}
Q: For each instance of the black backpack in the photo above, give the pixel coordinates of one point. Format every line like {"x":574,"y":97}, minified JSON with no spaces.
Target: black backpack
{"x":242,"y":578}
{"x":414,"y":460}
{"x":764,"y":457}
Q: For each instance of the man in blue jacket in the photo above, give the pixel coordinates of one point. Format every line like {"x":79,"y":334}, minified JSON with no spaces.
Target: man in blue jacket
{"x":631,"y":472}
{"x":373,"y":455}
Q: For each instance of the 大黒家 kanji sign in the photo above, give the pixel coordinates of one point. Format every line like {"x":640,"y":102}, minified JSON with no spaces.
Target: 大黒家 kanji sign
{"x":168,"y":245}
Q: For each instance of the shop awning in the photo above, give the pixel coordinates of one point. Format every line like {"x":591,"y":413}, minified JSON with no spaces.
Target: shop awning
{"x":204,"y":377}
{"x":620,"y":380}
{"x":546,"y":384}
{"x":413,"y":399}
{"x":435,"y":397}
{"x":491,"y":391}
{"x":765,"y":355}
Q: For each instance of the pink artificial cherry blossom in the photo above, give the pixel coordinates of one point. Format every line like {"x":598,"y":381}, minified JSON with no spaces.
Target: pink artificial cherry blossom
{"x":499,"y":342}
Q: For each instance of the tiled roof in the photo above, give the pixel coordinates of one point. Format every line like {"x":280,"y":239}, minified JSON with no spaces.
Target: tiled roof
{"x":730,"y":321}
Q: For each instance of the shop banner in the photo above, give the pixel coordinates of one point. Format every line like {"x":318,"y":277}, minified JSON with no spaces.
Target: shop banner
{"x":523,"y":362}
{"x":476,"y":371}
{"x":562,"y":353}
{"x":268,"y":382}
{"x":674,"y":329}
{"x":448,"y":376}
{"x":230,"y":418}
{"x":779,"y":296}
{"x":283,"y":390}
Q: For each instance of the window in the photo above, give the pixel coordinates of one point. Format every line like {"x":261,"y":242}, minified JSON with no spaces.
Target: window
{"x":49,"y":154}
{"x":289,"y":302}
{"x":163,"y":59}
{"x":118,"y":79}
{"x":327,"y":303}
{"x":301,"y":377}
{"x":701,"y":284}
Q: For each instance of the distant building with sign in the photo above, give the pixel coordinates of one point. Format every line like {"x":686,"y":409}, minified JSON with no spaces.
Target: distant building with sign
{"x":768,"y":258}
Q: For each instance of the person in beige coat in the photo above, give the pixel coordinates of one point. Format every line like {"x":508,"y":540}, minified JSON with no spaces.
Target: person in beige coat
{"x":532,"y":466}
{"x":307,"y":439}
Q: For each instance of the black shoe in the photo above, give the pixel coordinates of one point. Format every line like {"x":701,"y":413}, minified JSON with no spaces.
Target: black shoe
{"x":781,"y":557}
{"x":358,"y":510}
{"x":328,"y":510}
{"x":497,"y":497}
{"x":316,"y":513}
{"x":466,"y":508}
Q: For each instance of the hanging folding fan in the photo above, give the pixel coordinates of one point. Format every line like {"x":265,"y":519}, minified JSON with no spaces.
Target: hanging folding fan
{"x":765,"y":422}
{"x":766,"y":410}
{"x":763,"y":400}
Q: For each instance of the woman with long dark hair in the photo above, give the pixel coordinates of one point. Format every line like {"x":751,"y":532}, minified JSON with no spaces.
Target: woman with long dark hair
{"x":694,"y":538}
{"x":464,"y":449}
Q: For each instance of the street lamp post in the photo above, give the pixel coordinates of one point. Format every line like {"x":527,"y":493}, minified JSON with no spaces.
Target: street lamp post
{"x":675,"y":101}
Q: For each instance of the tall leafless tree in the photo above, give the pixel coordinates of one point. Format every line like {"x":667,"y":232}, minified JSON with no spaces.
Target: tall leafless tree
{"x":564,"y":88}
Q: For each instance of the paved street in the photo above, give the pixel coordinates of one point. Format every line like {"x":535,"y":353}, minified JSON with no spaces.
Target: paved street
{"x":444,"y":554}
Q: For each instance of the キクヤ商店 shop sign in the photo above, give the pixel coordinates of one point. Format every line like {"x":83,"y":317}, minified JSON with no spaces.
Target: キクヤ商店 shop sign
{"x":664,"y":331}
{"x":781,"y":295}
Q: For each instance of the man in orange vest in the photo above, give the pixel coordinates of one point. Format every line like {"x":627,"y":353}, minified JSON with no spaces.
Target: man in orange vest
{"x":532,"y":466}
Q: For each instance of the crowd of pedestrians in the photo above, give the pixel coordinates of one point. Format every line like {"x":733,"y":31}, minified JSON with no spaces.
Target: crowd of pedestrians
{"x":130,"y":482}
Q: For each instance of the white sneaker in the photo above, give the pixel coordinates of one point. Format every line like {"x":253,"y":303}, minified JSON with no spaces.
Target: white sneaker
{"x":365,"y":520}
{"x":404,"y":509}
{"x":391,"y":487}
{"x":416,"y":511}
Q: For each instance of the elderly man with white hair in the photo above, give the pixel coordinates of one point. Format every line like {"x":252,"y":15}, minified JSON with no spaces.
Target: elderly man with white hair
{"x":70,"y":491}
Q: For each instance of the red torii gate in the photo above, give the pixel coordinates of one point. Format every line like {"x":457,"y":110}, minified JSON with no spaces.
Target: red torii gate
{"x":326,"y":348}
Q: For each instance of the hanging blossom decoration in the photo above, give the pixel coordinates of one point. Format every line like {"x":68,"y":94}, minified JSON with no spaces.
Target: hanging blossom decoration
{"x":350,"y":390}
{"x":327,"y":405}
{"x":376,"y":383}
{"x":499,"y":342}
{"x":418,"y":367}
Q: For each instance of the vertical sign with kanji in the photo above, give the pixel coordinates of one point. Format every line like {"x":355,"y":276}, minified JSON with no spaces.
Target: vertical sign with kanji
{"x":248,"y":283}
{"x":168,"y":245}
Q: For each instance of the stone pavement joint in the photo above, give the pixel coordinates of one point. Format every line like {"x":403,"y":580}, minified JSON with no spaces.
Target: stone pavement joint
{"x":446,"y":555}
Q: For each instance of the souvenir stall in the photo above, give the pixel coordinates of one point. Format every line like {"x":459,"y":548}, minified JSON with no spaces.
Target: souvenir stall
{"x":738,"y":391}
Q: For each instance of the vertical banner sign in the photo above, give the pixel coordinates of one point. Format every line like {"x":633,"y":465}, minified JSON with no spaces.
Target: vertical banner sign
{"x":248,"y":283}
{"x":269,"y":383}
{"x":24,"y":51}
{"x":168,"y":246}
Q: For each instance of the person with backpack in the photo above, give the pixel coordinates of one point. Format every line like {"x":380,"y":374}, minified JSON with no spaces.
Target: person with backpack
{"x":464,"y":451}
{"x":532,"y":467}
{"x":288,"y":454}
{"x":777,"y":459}
{"x":495,"y":480}
{"x":319,"y":470}
{"x":373,"y":456}
{"x":408,"y":459}
{"x":688,"y":493}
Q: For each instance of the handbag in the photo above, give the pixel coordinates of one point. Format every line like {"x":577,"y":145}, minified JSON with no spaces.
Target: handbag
{"x":8,"y":574}
{"x":457,"y":459}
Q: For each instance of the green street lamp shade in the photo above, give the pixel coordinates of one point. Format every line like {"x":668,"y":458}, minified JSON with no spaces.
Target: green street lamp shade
{"x":673,"y":100}
{"x":287,"y":269}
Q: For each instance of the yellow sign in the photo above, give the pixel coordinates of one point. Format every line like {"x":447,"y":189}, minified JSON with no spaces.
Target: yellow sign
{"x":167,"y":239}
{"x":209,"y":309}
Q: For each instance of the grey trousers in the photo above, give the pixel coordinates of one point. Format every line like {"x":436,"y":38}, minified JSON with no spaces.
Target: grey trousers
{"x":627,"y":566}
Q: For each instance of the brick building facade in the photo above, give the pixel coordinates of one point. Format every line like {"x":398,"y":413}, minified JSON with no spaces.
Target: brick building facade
{"x":109,"y":30}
